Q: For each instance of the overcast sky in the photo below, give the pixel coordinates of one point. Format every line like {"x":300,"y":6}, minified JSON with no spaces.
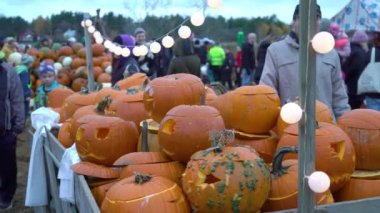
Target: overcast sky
{"x":30,"y":9}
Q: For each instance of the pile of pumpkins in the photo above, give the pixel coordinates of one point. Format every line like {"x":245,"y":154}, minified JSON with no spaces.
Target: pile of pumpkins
{"x":70,"y":63}
{"x":199,"y":165}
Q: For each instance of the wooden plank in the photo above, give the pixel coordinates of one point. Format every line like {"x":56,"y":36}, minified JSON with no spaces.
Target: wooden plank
{"x":307,"y":72}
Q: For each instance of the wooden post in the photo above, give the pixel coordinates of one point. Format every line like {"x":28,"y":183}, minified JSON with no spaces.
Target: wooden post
{"x":307,"y":72}
{"x":90,"y":67}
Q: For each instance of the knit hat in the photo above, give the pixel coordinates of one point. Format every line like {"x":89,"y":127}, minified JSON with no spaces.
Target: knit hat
{"x":15,"y":58}
{"x":46,"y":67}
{"x":296,"y":13}
{"x":125,"y":40}
{"x":139,"y":30}
{"x":359,"y":37}
{"x":27,"y":60}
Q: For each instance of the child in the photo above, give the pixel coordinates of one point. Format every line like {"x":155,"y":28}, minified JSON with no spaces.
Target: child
{"x":21,"y":63}
{"x":48,"y":84}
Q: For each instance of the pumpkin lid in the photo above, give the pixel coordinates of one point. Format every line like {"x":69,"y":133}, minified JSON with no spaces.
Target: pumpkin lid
{"x":254,"y":90}
{"x":137,"y":158}
{"x":368,"y":175}
{"x":361,"y":119}
{"x":194,"y":111}
{"x":235,"y":153}
{"x":239,"y":134}
{"x":95,"y":170}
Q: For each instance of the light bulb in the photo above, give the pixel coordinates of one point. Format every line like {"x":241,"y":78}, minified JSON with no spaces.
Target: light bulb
{"x":97,"y":34}
{"x":291,"y":113}
{"x":197,"y":19}
{"x":125,"y":52}
{"x":107,"y":44}
{"x":91,"y":29}
{"x":184,"y":32}
{"x":319,"y":182}
{"x":167,"y":41}
{"x":112,"y":48}
{"x":88,"y":23}
{"x":323,"y":42}
{"x":143,"y":50}
{"x":118,"y":50}
{"x":136,"y":51}
{"x":214,"y":4}
{"x":99,"y":40}
{"x":82,"y":23}
{"x":155,"y":47}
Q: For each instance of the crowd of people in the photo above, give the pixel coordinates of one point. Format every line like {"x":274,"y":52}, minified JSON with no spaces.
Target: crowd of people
{"x":273,"y":61}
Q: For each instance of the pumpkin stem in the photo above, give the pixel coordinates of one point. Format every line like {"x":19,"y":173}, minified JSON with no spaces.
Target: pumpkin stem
{"x":116,"y":87}
{"x":144,"y":137}
{"x":277,"y":168}
{"x":141,"y":178}
{"x":219,"y":139}
{"x":218,"y":88}
{"x":84,"y":90}
{"x":103,"y":104}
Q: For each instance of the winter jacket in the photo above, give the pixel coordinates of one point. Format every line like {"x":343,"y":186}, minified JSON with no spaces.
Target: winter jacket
{"x":14,"y":103}
{"x":281,"y":71}
{"x":216,"y":56}
{"x":248,"y":56}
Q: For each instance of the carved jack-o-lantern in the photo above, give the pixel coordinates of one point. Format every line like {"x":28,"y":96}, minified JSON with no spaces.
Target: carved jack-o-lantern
{"x":335,"y":153}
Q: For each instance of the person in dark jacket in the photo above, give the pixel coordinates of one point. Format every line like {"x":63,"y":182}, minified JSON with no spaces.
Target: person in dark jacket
{"x":227,"y":69}
{"x":185,"y":60}
{"x":354,"y":66}
{"x":248,"y":59}
{"x":123,"y":66}
{"x":12,"y":122}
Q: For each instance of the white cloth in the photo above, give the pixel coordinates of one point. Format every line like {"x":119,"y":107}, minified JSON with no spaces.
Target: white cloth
{"x":66,"y":175}
{"x":37,"y":190}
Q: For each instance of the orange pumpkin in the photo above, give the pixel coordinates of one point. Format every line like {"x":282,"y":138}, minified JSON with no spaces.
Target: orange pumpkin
{"x":322,"y":114}
{"x":363,"y":127}
{"x":65,"y":51}
{"x":136,"y":79}
{"x":76,"y":47}
{"x":97,"y":61}
{"x":64,"y":78}
{"x":105,"y":64}
{"x":265,"y":145}
{"x":284,"y":186}
{"x":210,"y":95}
{"x":78,"y":84}
{"x":145,"y":193}
{"x":82,"y":53}
{"x":64,"y":134}
{"x":97,"y":50}
{"x":233,"y":179}
{"x":99,"y":192}
{"x":80,"y":72}
{"x":78,"y":62}
{"x":97,"y":71}
{"x":102,"y":139}
{"x":335,"y":153}
{"x":77,"y":100}
{"x":95,"y":170}
{"x":104,"y":92}
{"x":357,"y":189}
{"x":104,"y":78}
{"x":164,"y":93}
{"x":185,"y":130}
{"x":249,"y":109}
{"x":57,"y":97}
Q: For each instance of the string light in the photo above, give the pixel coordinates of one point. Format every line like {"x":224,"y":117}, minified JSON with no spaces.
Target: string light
{"x":91,"y":29}
{"x":323,"y":42}
{"x":184,"y":32}
{"x":125,"y":52}
{"x":214,"y":4}
{"x":97,"y":34}
{"x":168,"y":41}
{"x":136,"y":51}
{"x":107,"y":44}
{"x":143,"y":50}
{"x":155,"y":47}
{"x":197,"y":19}
{"x":291,"y":113}
{"x":82,"y":23}
{"x":118,"y":50}
{"x":88,"y":23}
{"x":319,"y":182}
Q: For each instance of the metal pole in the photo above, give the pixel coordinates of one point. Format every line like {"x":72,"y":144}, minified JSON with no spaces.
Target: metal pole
{"x":90,"y":67}
{"x":307,"y":72}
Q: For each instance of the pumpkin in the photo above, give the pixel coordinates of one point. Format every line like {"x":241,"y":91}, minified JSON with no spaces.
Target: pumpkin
{"x":265,"y":145}
{"x":97,"y":50}
{"x":97,"y":61}
{"x":105,"y":64}
{"x":249,"y":109}
{"x":44,"y":53}
{"x":64,"y":77}
{"x":97,"y":71}
{"x":77,"y":100}
{"x":78,"y":84}
{"x":357,"y":189}
{"x":230,"y":179}
{"x":129,"y":107}
{"x":164,"y":93}
{"x":94,"y":170}
{"x":113,"y":92}
{"x":64,"y":134}
{"x":145,"y":193}
{"x":136,"y":79}
{"x":80,"y":72}
{"x":284,"y":186}
{"x":322,"y":114}
{"x":104,"y":78}
{"x":57,"y":97}
{"x":78,"y":62}
{"x":99,"y":192}
{"x":366,"y":174}
{"x":102,"y":139}
{"x":82,"y":53}
{"x":335,"y":153}
{"x":152,"y":129}
{"x":210,"y":95}
{"x":65,"y":51}
{"x":77,"y":46}
{"x":185,"y":130}
{"x":363,"y":127}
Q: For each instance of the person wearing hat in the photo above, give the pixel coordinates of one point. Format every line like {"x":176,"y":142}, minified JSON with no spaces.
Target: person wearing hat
{"x":281,"y":71}
{"x":9,"y":47}
{"x":48,"y":83}
{"x":147,"y":63}
{"x":354,"y":66}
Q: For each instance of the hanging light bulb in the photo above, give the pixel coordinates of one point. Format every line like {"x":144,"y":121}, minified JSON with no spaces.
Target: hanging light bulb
{"x":107,"y":44}
{"x":323,"y":42}
{"x":197,"y":19}
{"x":136,"y":51}
{"x":99,"y":40}
{"x":118,"y":50}
{"x":82,"y":23}
{"x":155,"y":47}
{"x":214,"y":4}
{"x":91,"y":29}
{"x":167,"y":41}
{"x":112,"y":48}
{"x":184,"y":32}
{"x":319,"y":182}
{"x":88,"y":23}
{"x":125,"y":52}
{"x":291,"y":113}
{"x":97,"y":34}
